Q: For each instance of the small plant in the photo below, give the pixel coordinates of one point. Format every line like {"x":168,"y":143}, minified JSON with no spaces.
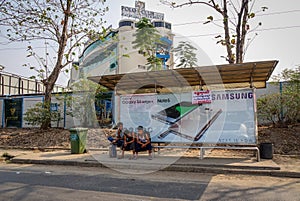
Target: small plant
{"x":147,"y":39}
{"x":185,"y":53}
{"x":36,"y":115}
{"x":7,"y":156}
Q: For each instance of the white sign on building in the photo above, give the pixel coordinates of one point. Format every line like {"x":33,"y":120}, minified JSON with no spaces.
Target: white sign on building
{"x":139,"y":12}
{"x":200,"y":97}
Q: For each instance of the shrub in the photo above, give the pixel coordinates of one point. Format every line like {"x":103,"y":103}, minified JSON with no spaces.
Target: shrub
{"x":36,"y":115}
{"x":282,"y":108}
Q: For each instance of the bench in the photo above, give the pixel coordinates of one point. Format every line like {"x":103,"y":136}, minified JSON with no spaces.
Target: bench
{"x":202,"y":149}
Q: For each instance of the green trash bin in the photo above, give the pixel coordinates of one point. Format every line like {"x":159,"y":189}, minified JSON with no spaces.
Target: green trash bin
{"x":78,"y":140}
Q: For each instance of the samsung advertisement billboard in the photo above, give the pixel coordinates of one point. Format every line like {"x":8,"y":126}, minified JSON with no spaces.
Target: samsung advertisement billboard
{"x":222,"y":117}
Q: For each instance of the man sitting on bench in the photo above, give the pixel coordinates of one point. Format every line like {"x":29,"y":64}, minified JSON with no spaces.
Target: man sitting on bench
{"x":143,"y":143}
{"x":118,"y":140}
{"x":128,"y":144}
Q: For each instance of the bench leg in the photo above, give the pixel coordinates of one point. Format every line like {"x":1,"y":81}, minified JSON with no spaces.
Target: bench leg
{"x":257,"y":154}
{"x":158,"y":149}
{"x":201,"y":153}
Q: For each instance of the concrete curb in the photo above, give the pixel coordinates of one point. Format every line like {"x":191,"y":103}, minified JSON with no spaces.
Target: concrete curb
{"x":56,"y":162}
{"x":215,"y":170}
{"x":48,"y":148}
{"x":204,"y":165}
{"x":175,"y":167}
{"x":243,"y":167}
{"x":33,"y":148}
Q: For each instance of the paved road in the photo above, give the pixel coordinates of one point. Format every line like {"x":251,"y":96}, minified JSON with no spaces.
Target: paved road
{"x":26,"y":182}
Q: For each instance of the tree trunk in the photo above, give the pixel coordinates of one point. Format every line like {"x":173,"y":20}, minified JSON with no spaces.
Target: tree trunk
{"x":244,"y":32}
{"x":230,"y":56}
{"x":51,"y":80}
{"x":47,"y":101}
{"x":49,"y":85}
{"x":241,"y":31}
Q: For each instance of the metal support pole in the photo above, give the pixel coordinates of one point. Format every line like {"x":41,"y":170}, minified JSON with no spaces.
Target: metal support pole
{"x":281,"y":108}
{"x":158,"y":150}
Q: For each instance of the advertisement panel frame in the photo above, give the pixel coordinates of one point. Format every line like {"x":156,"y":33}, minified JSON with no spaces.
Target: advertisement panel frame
{"x":255,"y":132}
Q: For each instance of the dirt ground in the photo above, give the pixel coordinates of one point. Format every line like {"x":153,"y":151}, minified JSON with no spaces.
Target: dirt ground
{"x":286,"y":140}
{"x":30,"y":138}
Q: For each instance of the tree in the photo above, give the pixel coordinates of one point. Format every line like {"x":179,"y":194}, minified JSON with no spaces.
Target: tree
{"x":186,"y":55}
{"x":82,"y":101}
{"x":290,"y":94}
{"x":235,"y":23}
{"x":65,"y":24}
{"x":146,"y":40}
{"x":290,"y":75}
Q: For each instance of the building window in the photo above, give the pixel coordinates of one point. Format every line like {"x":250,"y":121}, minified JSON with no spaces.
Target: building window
{"x":159,"y":24}
{"x":125,"y":23}
{"x":113,"y":66}
{"x":168,"y":25}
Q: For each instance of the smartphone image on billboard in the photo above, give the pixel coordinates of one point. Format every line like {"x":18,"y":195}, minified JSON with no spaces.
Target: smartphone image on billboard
{"x":174,"y":113}
{"x":193,"y":126}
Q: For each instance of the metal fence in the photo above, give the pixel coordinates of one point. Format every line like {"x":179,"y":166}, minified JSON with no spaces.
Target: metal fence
{"x":11,"y":84}
{"x":272,"y":88}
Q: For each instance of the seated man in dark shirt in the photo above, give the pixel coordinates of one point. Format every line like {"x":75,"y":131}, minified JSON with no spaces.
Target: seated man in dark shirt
{"x":143,"y":143}
{"x":118,"y":140}
{"x":129,"y":139}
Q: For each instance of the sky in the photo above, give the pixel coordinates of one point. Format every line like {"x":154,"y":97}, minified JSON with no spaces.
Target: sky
{"x":277,"y":39}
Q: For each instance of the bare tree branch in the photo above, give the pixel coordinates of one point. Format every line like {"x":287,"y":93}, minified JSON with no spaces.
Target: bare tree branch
{"x":235,"y":17}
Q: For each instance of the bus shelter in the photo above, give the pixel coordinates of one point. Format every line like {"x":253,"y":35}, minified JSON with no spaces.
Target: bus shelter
{"x":208,"y":106}
{"x":245,"y":75}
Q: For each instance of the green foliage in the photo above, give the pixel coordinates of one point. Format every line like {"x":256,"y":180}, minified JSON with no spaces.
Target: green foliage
{"x":7,"y":156}
{"x":82,"y":101}
{"x":185,"y":52}
{"x":269,"y":108}
{"x":282,"y":108}
{"x":80,"y":104}
{"x":291,"y":75}
{"x":154,"y":63}
{"x":36,"y":115}
{"x":146,"y":40}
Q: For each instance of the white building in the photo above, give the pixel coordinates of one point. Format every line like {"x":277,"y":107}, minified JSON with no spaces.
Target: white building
{"x":115,"y":54}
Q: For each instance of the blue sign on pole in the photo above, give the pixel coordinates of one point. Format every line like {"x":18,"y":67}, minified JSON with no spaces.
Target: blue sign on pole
{"x":54,"y":107}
